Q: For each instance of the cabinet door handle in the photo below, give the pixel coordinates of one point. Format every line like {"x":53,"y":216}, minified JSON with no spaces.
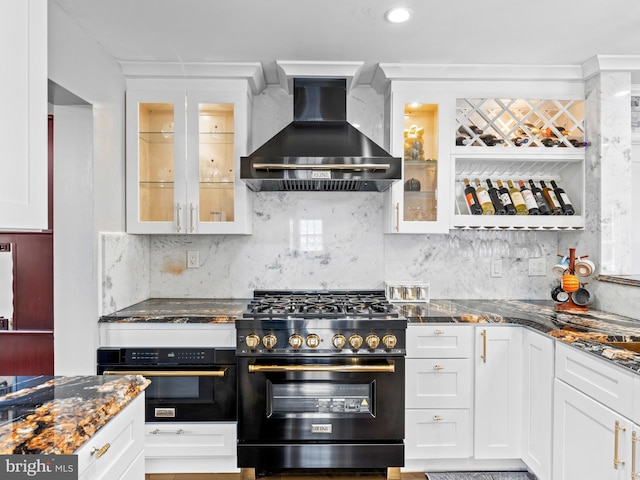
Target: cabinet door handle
{"x":616,"y":461}
{"x":398,"y":217}
{"x":98,"y":452}
{"x":438,"y":367}
{"x":484,"y":346}
{"x":178,"y":213}
{"x":191,"y":211}
{"x":634,"y":439}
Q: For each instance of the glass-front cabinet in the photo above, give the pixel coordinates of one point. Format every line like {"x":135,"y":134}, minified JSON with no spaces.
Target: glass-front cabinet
{"x":419,"y":135}
{"x":183,"y":151}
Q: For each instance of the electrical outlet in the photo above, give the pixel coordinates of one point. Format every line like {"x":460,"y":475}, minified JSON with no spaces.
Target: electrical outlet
{"x":496,"y":267}
{"x":193,"y":259}
{"x":537,"y":267}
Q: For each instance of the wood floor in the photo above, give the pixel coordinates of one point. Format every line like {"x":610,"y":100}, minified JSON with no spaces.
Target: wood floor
{"x":302,"y":476}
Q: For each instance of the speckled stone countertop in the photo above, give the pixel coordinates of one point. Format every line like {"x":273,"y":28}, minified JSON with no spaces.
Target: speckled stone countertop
{"x":589,"y":331}
{"x":60,"y":414}
{"x":180,"y":310}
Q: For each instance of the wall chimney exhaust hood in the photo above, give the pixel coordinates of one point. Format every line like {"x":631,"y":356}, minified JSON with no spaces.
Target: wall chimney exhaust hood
{"x":320,"y":150}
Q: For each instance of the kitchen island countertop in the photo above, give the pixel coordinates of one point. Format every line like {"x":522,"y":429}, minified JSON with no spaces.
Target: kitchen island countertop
{"x":58,"y":415}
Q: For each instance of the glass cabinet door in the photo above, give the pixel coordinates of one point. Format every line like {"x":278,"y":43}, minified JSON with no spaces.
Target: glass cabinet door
{"x":216,"y":162}
{"x":419,"y":200}
{"x":155,"y":162}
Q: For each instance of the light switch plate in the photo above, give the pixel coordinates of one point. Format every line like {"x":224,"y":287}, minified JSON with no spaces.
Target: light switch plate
{"x":537,"y":267}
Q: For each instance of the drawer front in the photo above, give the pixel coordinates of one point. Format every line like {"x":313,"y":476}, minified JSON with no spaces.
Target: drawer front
{"x":438,"y":433}
{"x":439,"y":341}
{"x":439,"y":383}
{"x":125,"y":436}
{"x":215,"y":439}
{"x":607,"y":383}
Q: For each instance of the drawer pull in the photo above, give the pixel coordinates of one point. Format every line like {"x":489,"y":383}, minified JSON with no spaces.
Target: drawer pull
{"x":438,"y":332}
{"x":438,"y":367}
{"x":484,"y":346}
{"x":437,"y":418}
{"x":157,"y":431}
{"x":98,"y":452}
{"x":634,"y":440}
{"x":616,"y":460}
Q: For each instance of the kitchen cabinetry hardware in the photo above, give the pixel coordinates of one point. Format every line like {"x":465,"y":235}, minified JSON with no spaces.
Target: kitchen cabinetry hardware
{"x":387,"y":368}
{"x":191,"y":211}
{"x":166,"y":373}
{"x":618,"y":428}
{"x":484,"y":346}
{"x":437,"y":418}
{"x":398,"y":217}
{"x":634,"y":440}
{"x":178,"y":213}
{"x":438,"y":332}
{"x":99,"y":452}
{"x":157,"y":431}
{"x":329,"y":166}
{"x":438,"y":367}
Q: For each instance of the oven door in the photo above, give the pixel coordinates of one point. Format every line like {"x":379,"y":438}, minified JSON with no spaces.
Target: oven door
{"x":320,"y":399}
{"x":189,"y":393}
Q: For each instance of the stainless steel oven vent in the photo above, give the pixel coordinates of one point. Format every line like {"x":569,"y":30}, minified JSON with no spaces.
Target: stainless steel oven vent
{"x":323,"y":185}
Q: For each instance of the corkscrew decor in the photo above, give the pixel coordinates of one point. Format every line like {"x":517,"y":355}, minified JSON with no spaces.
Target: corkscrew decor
{"x":571,"y":295}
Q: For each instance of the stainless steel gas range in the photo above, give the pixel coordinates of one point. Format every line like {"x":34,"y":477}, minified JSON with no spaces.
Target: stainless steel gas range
{"x":320,"y":381}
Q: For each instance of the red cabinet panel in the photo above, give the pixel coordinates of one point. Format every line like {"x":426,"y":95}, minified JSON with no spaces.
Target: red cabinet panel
{"x":26,"y":353}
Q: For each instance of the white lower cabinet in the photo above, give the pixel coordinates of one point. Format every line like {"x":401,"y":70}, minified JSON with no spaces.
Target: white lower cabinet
{"x":591,"y":441}
{"x":190,"y":447}
{"x":537,"y":402}
{"x":116,"y":452}
{"x":498,"y":392}
{"x":438,"y":394}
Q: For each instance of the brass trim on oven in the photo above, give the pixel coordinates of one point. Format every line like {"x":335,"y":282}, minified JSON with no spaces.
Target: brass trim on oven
{"x":388,"y":368}
{"x":169,"y":373}
{"x":322,"y":166}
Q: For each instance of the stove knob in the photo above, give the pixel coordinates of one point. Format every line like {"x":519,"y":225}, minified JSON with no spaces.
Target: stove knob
{"x":252,"y":341}
{"x":372,"y":341}
{"x":295,"y":340}
{"x":355,"y":341}
{"x":389,"y":341}
{"x":269,"y":341}
{"x":339,"y":341}
{"x":313,"y":340}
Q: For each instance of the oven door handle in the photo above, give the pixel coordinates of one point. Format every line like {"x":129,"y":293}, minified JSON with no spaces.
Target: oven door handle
{"x":170,"y":373}
{"x":386,"y":368}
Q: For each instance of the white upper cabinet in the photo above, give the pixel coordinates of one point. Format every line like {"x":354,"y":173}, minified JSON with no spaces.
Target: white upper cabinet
{"x":183,"y":158}
{"x":23,"y":122}
{"x":419,"y":123}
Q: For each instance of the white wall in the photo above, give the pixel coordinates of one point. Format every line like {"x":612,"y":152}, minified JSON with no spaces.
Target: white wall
{"x":89,"y":185}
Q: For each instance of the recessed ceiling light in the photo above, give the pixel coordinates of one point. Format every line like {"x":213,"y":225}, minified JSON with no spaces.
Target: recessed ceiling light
{"x":398,"y":15}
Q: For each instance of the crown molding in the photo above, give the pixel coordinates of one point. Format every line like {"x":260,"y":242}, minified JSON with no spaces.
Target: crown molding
{"x":251,"y":72}
{"x":288,"y":70}
{"x":610,"y":63}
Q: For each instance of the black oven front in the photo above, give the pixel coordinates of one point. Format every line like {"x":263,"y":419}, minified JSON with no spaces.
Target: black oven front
{"x":319,"y":412}
{"x":187,"y":384}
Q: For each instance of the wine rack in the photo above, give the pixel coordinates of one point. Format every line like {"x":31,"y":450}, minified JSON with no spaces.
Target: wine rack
{"x":566,"y":170}
{"x":519,"y":123}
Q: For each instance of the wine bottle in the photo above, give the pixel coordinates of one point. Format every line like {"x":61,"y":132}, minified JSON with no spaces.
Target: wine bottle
{"x":552,"y":200}
{"x":529,"y":199}
{"x":495,"y":199}
{"x":491,"y":140}
{"x":462,"y":141}
{"x":484,"y":198}
{"x":506,"y":198}
{"x":542,"y":204}
{"x":565,"y":203}
{"x":472,"y":198}
{"x":518,"y":199}
{"x":469,"y":128}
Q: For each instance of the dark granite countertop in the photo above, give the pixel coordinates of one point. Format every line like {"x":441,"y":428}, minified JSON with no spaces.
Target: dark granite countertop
{"x":180,"y":310}
{"x":57,"y":415}
{"x":590,"y":331}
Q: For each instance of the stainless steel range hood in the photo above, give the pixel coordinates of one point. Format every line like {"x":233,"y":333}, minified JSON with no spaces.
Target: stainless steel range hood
{"x":320,"y":150}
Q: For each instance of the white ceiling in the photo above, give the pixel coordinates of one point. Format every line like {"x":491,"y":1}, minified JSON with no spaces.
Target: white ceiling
{"x":531,"y":32}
